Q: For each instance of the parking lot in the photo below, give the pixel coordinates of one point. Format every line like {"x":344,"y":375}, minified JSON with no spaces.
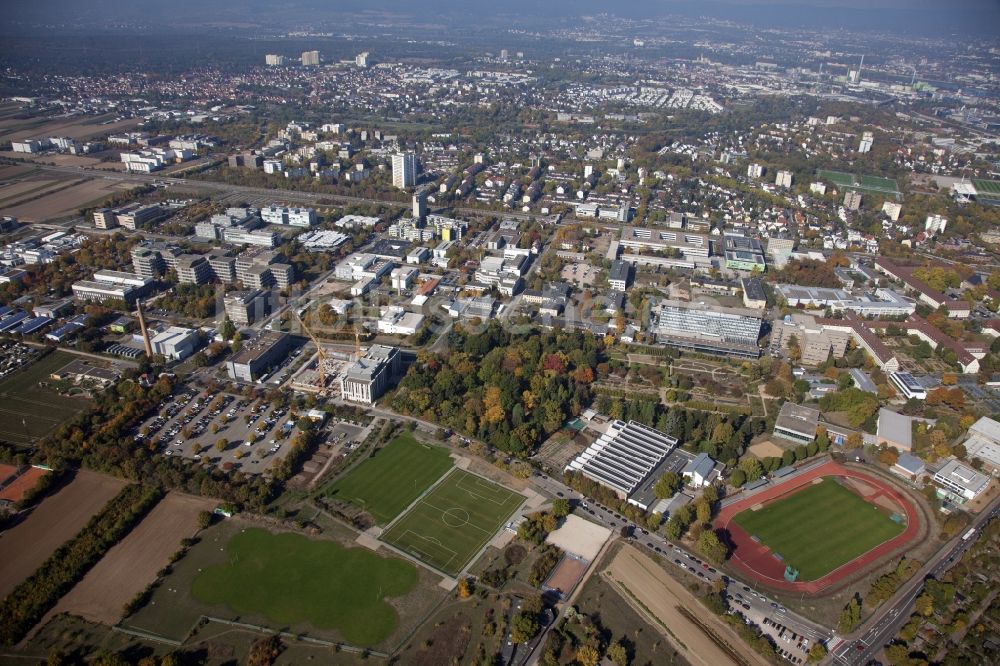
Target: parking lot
{"x":232,"y":432}
{"x":224,"y":430}
{"x":582,"y":275}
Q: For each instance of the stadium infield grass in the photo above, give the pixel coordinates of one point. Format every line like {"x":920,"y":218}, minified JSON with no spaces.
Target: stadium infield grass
{"x":385,"y":484}
{"x":987,"y":188}
{"x":448,"y":526}
{"x":819,"y":528}
{"x":860,"y":182}
{"x":291,"y":580}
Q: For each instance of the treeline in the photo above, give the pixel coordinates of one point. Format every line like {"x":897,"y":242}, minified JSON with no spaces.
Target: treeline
{"x":191,"y":300}
{"x":722,"y":436}
{"x":511,"y":390}
{"x":807,"y":273}
{"x":30,"y":600}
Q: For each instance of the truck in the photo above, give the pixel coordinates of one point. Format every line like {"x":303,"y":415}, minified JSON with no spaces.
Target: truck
{"x":968,"y":535}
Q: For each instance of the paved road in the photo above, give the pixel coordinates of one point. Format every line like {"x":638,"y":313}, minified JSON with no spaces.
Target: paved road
{"x":863,"y":645}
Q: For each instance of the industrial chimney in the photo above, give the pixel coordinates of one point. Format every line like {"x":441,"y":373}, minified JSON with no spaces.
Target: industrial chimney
{"x":145,"y":333}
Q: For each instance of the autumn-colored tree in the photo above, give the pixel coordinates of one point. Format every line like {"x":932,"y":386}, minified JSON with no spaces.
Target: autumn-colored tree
{"x":703,"y":510}
{"x":494,"y":407}
{"x":924,"y":605}
{"x":618,"y":654}
{"x":588,"y":655}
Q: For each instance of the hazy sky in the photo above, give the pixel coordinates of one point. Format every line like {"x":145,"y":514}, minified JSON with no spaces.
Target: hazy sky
{"x":927,"y":16}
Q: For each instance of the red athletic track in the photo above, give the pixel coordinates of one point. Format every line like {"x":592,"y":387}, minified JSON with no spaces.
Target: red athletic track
{"x":756,"y":561}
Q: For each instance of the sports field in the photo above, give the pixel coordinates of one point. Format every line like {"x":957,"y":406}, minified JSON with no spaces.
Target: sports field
{"x":448,"y":526}
{"x":292,"y":580}
{"x":28,"y":411}
{"x":819,"y":528}
{"x":863,"y":182}
{"x":989,"y":189}
{"x":387,"y":483}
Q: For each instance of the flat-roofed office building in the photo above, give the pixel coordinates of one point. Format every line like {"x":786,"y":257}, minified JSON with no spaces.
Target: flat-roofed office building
{"x":708,"y":328}
{"x":366,"y":379}
{"x":257,"y":355}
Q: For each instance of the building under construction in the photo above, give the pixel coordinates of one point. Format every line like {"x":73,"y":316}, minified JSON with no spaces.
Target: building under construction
{"x":320,"y":372}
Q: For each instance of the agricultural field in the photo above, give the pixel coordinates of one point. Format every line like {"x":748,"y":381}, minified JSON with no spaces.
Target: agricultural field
{"x":15,"y":129}
{"x":28,"y":411}
{"x":292,"y":580}
{"x":131,"y":565}
{"x":819,"y":528}
{"x":57,"y":519}
{"x":11,"y":193}
{"x":61,"y":202}
{"x":385,"y":484}
{"x":447,"y":527}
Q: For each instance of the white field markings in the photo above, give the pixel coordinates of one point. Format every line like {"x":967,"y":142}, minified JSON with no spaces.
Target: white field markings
{"x":415,"y":503}
{"x":480,"y":486}
{"x":404,"y":542}
{"x":444,"y":512}
{"x":487,"y":486}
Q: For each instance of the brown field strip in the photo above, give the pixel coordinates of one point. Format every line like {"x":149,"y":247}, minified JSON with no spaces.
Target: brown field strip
{"x":130,"y":566}
{"x":64,"y":202}
{"x":57,"y":519}
{"x":691,"y":627}
{"x":74,"y":128}
{"x":23,"y":188}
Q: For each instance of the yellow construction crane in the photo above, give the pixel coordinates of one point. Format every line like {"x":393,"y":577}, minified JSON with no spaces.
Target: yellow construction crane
{"x":320,"y":353}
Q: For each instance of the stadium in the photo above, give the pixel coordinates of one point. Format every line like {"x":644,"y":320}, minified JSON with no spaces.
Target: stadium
{"x":818,"y":528}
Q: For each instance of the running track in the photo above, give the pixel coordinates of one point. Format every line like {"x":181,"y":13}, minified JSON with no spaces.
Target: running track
{"x":755,"y":560}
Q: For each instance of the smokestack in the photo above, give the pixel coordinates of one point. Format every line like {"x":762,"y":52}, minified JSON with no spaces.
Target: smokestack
{"x":145,"y":333}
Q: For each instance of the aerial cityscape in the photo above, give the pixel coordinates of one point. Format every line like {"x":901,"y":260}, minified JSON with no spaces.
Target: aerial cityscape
{"x":568,"y":333}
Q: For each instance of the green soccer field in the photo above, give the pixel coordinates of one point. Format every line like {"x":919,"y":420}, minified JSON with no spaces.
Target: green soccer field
{"x":839,"y":178}
{"x":292,"y":580}
{"x":819,"y":528}
{"x":387,"y":483}
{"x":450,"y":524}
{"x":987,"y":188}
{"x":850,"y":181}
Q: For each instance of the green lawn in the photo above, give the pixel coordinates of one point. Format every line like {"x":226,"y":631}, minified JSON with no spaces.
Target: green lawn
{"x":450,"y":524}
{"x":387,"y":483}
{"x":863,"y":182}
{"x":819,"y":528}
{"x":987,"y":188}
{"x":291,"y":579}
{"x":28,"y":411}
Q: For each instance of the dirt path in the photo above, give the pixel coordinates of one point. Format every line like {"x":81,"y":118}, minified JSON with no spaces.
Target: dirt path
{"x":57,"y":519}
{"x":698,"y":635}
